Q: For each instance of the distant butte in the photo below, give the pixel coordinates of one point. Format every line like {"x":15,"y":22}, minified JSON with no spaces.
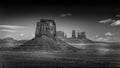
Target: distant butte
{"x":80,"y":38}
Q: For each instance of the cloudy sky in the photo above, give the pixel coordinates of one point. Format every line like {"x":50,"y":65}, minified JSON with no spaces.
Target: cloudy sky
{"x":100,"y":21}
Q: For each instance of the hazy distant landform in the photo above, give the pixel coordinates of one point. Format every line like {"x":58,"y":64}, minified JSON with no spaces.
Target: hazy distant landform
{"x":51,"y":48}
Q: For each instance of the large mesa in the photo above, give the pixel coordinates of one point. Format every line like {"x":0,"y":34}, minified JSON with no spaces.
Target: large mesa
{"x":45,"y":38}
{"x":45,"y":27}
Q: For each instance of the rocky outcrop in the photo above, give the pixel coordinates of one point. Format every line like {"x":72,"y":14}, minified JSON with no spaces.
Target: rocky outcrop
{"x":45,"y":38}
{"x":83,"y":36}
{"x":73,"y":34}
{"x":45,"y":27}
{"x":0,"y":40}
{"x":78,"y":35}
{"x":61,"y":35}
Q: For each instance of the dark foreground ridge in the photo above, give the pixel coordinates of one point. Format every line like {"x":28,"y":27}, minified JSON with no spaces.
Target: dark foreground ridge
{"x":45,"y":38}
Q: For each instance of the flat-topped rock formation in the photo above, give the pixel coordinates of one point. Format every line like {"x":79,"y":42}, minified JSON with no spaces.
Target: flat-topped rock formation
{"x":61,"y":35}
{"x":45,"y":27}
{"x":73,"y":34}
{"x":78,"y":35}
{"x":83,"y":38}
{"x":8,"y":42}
{"x":45,"y":38}
{"x":80,"y":38}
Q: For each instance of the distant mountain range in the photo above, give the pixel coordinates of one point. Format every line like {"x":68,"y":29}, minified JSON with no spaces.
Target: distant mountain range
{"x":10,"y":42}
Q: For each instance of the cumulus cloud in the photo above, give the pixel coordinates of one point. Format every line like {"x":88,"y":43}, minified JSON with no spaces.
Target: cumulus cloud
{"x":107,"y":21}
{"x":116,"y":23}
{"x":10,"y":26}
{"x":6,"y":30}
{"x":107,"y":39}
{"x":96,"y":36}
{"x":111,"y":21}
{"x":102,"y":39}
{"x":109,"y":34}
{"x":65,"y":15}
{"x":21,"y":34}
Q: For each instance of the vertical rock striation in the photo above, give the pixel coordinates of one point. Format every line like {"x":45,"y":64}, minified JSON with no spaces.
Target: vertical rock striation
{"x":45,"y":27}
{"x":78,"y":35}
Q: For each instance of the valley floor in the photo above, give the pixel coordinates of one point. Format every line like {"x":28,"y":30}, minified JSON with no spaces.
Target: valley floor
{"x":44,"y":59}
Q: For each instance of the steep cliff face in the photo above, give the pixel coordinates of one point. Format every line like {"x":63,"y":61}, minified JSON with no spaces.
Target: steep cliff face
{"x":61,"y":35}
{"x":45,"y":38}
{"x":78,"y":35}
{"x":83,"y":36}
{"x":45,"y":27}
{"x":73,"y":34}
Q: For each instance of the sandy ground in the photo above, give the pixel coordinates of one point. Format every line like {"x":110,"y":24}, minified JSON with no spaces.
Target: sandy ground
{"x":36,"y":59}
{"x":102,"y":55}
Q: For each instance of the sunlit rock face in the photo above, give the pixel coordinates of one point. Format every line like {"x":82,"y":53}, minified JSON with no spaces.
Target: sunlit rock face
{"x":45,"y":38}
